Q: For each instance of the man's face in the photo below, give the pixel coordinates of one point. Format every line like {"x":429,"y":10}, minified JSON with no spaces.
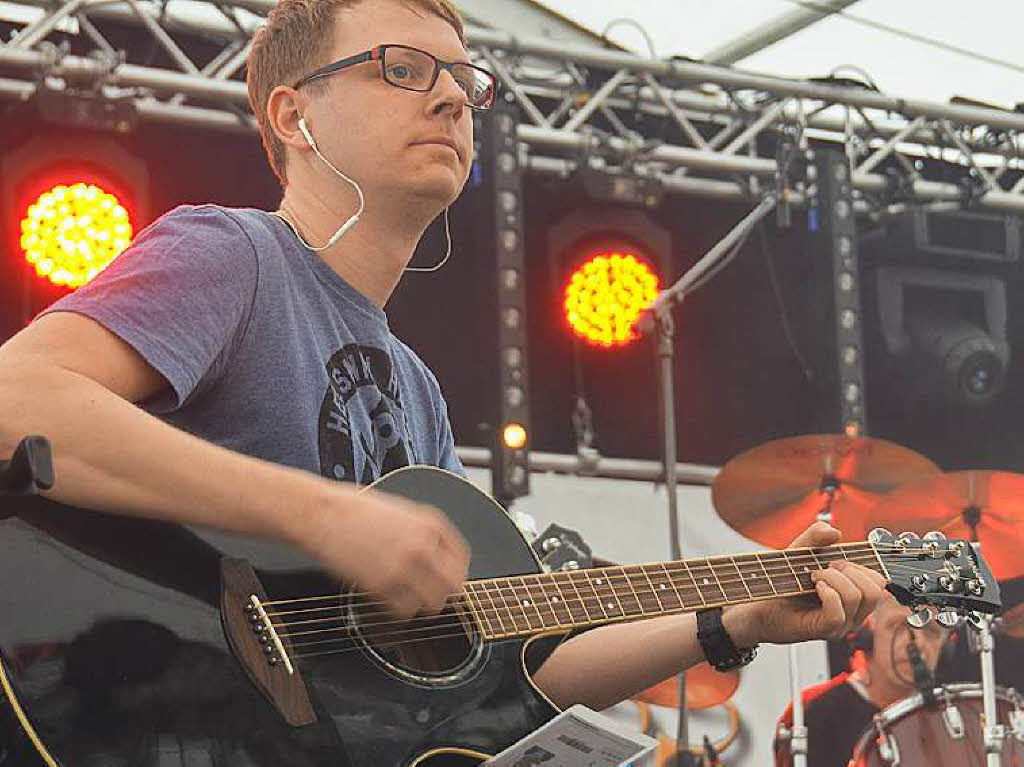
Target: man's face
{"x":386,"y":137}
{"x":892,"y":636}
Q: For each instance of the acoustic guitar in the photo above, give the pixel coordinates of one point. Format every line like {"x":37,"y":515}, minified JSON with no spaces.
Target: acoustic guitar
{"x":135,"y":643}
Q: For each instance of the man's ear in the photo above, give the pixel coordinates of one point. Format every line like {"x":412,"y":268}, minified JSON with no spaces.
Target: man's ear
{"x":284,"y":110}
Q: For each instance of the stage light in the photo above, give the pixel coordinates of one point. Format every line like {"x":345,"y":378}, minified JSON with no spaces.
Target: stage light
{"x":514,"y":436}
{"x":950,"y":328}
{"x":499,"y":178}
{"x":606,"y":294}
{"x":69,"y":234}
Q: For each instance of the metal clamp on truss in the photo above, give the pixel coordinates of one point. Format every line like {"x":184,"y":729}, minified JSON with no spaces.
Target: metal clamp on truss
{"x":84,"y":95}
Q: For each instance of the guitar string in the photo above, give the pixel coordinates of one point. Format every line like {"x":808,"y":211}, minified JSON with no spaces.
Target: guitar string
{"x":629,"y":580}
{"x":633,"y":594}
{"x":358,"y":644}
{"x":793,"y":555}
{"x":616,"y":587}
{"x":496,"y":616}
{"x":518,"y":634}
{"x":584,"y":579}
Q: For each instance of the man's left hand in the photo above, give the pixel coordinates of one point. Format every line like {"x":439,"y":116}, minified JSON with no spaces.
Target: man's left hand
{"x":846,"y":593}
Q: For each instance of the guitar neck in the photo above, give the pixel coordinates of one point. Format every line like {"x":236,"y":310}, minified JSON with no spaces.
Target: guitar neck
{"x":526,"y":605}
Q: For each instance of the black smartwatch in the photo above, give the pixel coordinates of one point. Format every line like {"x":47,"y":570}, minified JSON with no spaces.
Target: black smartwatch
{"x":718,"y":645}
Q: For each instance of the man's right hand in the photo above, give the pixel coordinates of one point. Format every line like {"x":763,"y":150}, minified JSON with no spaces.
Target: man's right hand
{"x":404,"y":553}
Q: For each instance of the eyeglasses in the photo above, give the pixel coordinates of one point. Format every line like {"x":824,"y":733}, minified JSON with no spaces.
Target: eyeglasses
{"x":416,"y":70}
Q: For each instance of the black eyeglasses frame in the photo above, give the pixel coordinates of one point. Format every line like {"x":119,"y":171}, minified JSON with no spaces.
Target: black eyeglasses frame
{"x":377,"y":54}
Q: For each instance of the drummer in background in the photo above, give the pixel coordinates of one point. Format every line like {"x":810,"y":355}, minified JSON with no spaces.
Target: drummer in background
{"x":837,"y":712}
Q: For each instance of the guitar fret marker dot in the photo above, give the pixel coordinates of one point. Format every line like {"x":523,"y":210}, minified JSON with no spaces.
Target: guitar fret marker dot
{"x":707,"y":582}
{"x":526,"y":603}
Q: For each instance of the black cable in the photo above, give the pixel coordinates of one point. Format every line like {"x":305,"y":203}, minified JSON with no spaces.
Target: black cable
{"x":714,"y":271}
{"x":780,"y":302}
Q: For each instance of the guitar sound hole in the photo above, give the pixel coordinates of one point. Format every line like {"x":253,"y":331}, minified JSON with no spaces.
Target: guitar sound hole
{"x":432,"y":647}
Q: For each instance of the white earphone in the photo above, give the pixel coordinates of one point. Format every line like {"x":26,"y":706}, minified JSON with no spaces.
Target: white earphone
{"x":354,"y":218}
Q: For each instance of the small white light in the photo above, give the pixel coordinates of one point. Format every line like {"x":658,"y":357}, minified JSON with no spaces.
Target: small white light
{"x":509,"y":239}
{"x":514,"y":396}
{"x":506,"y":162}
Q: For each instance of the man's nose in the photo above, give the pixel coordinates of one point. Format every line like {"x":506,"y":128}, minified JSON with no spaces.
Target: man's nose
{"x":448,"y":95}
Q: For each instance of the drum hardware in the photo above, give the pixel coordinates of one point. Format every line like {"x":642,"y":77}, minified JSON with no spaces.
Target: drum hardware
{"x":798,"y":734}
{"x":994,"y":731}
{"x":1017,"y":723}
{"x":906,"y":732}
{"x":888,"y":749}
{"x":953,"y":720}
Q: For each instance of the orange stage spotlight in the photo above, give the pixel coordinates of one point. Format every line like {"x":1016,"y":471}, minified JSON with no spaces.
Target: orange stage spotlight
{"x":71,"y":232}
{"x":606,"y":294}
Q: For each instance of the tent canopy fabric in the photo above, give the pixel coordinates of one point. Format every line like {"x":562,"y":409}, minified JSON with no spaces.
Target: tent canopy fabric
{"x":925,"y":49}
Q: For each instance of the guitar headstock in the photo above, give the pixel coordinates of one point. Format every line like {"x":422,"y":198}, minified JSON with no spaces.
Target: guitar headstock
{"x":560,"y":548}
{"x":935,"y":572}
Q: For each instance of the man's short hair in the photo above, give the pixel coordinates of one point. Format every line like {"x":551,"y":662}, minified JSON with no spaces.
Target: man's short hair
{"x":297,"y":39}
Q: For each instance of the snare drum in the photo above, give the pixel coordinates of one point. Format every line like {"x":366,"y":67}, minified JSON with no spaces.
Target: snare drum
{"x":910,"y":734}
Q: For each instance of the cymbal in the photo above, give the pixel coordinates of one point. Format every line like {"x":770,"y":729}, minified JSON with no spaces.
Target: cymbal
{"x":983,"y":506}
{"x":770,"y":493}
{"x":705,"y":688}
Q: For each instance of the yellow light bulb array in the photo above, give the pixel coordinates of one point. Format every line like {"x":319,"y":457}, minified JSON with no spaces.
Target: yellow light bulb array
{"x":71,"y":233}
{"x":605,"y":296}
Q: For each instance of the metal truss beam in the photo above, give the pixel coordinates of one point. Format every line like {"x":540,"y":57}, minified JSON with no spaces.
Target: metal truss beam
{"x":581,"y":105}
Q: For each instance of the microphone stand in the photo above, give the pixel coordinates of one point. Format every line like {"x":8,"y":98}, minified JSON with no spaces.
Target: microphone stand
{"x":657,"y":319}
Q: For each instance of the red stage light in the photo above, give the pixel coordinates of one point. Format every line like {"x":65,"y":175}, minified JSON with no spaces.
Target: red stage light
{"x":72,"y":232}
{"x":605,"y":295}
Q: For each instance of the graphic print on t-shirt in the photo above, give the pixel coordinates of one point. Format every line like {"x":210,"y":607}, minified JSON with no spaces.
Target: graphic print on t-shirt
{"x":363,"y":430}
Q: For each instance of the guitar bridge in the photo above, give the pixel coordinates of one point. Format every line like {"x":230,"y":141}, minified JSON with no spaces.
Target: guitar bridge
{"x":267,"y":634}
{"x":259,"y":648}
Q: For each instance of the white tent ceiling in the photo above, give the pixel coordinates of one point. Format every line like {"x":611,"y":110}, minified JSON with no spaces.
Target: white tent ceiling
{"x":926,"y":49}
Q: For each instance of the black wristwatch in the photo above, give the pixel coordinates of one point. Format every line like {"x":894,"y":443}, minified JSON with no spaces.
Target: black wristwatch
{"x":718,"y":645}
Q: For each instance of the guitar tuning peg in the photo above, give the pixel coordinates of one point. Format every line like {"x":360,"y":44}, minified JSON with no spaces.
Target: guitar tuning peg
{"x":920,"y":618}
{"x":948,"y":618}
{"x":934,"y":535}
{"x":908,"y":536}
{"x":879,"y":535}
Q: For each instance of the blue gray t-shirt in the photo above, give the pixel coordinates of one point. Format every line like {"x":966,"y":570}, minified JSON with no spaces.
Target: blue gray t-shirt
{"x":268,"y":350}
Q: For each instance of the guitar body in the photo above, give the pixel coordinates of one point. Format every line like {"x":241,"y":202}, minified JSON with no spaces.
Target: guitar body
{"x":116,"y":649}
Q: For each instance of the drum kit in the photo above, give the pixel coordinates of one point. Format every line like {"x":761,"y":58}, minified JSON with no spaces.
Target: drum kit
{"x":772,"y":492}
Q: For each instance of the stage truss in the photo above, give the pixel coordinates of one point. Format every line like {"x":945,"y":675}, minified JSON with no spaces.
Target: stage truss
{"x":579,"y":106}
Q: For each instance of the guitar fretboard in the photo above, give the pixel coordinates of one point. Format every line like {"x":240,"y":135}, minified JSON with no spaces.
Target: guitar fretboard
{"x":531,"y":604}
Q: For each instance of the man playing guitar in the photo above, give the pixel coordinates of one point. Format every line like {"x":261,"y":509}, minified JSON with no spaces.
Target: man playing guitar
{"x":233,"y":364}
